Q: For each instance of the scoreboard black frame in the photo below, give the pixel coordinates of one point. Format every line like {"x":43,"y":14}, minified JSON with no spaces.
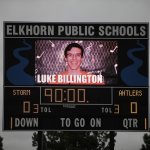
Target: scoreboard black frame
{"x":111,"y":94}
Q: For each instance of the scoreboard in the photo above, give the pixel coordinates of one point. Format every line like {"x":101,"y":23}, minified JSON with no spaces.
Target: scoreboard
{"x":109,"y":93}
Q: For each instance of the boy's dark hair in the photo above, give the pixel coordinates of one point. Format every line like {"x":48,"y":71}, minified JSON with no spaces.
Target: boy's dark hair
{"x":70,"y":46}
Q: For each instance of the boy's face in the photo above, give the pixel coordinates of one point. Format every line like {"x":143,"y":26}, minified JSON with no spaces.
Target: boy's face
{"x":74,"y":58}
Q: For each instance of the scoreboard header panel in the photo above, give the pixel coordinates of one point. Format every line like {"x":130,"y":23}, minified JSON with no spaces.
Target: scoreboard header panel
{"x":75,"y":76}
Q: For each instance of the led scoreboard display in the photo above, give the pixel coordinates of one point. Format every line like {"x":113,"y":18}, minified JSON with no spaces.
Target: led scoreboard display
{"x":75,"y":76}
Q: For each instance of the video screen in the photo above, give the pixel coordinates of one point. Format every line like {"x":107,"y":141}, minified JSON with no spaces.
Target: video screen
{"x":76,"y":62}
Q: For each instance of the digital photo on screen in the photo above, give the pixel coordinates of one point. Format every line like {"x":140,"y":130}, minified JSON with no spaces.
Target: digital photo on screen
{"x":82,"y":62}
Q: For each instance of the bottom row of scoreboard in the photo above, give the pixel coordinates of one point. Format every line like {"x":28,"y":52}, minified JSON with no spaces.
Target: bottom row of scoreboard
{"x":78,"y":123}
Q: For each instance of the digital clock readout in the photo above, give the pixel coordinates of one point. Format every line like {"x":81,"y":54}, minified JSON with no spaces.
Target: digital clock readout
{"x":75,"y":95}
